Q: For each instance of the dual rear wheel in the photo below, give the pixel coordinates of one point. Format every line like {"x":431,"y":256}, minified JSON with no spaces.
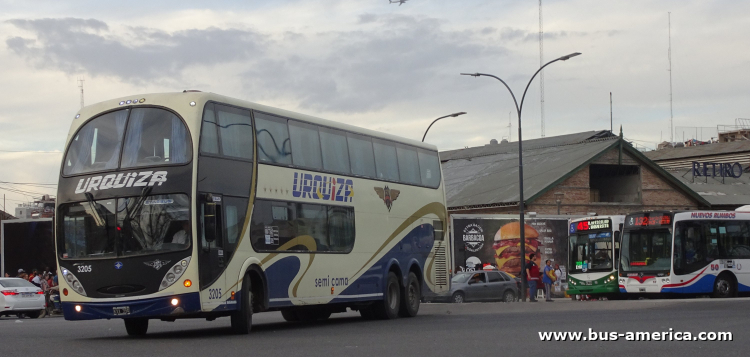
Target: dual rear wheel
{"x":397,"y":302}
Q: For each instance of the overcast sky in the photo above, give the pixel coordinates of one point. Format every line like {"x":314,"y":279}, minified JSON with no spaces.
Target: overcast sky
{"x":368,"y":63}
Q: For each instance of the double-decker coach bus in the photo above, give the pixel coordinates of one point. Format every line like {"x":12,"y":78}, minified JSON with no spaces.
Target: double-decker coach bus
{"x":693,"y":252}
{"x":196,"y":205}
{"x":593,"y":249}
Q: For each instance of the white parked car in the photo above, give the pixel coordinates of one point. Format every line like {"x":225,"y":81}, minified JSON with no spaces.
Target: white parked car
{"x":20,"y":297}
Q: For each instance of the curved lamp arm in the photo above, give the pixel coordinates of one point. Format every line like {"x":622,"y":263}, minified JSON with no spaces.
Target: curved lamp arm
{"x":443,"y":117}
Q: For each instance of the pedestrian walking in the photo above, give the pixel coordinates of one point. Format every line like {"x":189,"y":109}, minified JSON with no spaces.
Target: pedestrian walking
{"x":532,"y":276}
{"x":548,"y":278}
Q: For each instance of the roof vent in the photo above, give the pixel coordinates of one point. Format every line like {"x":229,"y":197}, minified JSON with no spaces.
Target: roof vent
{"x":493,"y":142}
{"x":504,"y":141}
{"x":190,"y":91}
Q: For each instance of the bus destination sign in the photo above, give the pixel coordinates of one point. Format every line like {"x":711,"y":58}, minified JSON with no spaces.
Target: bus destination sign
{"x":590,"y":225}
{"x":649,"y":219}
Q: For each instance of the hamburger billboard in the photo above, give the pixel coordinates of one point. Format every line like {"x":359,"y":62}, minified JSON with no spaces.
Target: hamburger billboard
{"x":495,"y":240}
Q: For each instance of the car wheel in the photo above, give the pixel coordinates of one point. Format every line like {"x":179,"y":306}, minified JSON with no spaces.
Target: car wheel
{"x":509,"y":296}
{"x":411,"y":297}
{"x":458,"y":298}
{"x":136,"y":327}
{"x":242,"y":318}
{"x":723,"y":287}
{"x":387,"y":309}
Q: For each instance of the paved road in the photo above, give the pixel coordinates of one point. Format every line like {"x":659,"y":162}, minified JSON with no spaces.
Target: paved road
{"x":478,"y":329}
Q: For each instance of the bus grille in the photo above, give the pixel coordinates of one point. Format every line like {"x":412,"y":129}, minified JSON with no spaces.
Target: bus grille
{"x":441,"y":273}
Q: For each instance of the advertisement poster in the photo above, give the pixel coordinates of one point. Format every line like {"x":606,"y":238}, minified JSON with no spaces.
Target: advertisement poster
{"x":492,"y":242}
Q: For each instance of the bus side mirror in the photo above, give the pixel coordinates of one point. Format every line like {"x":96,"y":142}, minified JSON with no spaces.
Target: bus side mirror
{"x":617,"y":237}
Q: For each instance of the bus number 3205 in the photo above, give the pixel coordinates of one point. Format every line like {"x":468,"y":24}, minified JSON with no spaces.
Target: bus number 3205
{"x":214,"y":293}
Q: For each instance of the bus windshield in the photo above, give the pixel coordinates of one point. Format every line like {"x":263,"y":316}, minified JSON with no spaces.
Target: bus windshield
{"x":646,"y":250}
{"x":147,"y":136}
{"x":591,"y":252}
{"x":125,"y":226}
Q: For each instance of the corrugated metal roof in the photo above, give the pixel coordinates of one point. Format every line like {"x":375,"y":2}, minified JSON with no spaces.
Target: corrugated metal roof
{"x":699,"y":151}
{"x":477,"y":177}
{"x":732,"y":191}
{"x":527,"y":145}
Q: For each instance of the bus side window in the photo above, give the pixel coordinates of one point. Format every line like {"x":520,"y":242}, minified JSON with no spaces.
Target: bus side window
{"x":273,"y":139}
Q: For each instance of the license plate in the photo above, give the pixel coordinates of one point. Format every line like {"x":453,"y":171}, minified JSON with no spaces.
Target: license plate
{"x":643,"y":290}
{"x":123,"y":310}
{"x":27,"y":295}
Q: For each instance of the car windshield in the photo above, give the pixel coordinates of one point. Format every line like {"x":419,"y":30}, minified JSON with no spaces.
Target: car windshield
{"x":125,"y":226}
{"x":591,"y":251}
{"x":460,"y":278}
{"x":153,"y":136}
{"x":646,"y":250}
{"x":16,"y":283}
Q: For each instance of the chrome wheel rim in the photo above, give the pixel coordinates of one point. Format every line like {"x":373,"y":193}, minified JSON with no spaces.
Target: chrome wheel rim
{"x":458,"y":298}
{"x":722,"y":286}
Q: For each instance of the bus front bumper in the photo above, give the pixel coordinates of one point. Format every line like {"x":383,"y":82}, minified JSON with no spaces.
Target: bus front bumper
{"x":141,"y":308}
{"x":593,"y":289}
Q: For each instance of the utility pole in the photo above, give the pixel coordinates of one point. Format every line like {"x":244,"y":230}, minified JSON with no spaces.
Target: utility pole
{"x":610,"y":112}
{"x":541,"y":62}
{"x":80,"y":85}
{"x":669,"y":55}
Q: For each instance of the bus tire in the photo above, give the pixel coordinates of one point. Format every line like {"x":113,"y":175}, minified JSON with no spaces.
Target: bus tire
{"x":387,"y":309}
{"x":136,"y":327}
{"x":289,"y":315}
{"x":724,"y":287}
{"x":242,"y":318}
{"x":411,"y":297}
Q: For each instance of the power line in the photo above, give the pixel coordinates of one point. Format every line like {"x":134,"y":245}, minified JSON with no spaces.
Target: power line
{"x":33,"y":152}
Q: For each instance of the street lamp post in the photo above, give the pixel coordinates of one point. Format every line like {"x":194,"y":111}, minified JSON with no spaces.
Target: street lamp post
{"x":519,"y":108}
{"x":433,"y":122}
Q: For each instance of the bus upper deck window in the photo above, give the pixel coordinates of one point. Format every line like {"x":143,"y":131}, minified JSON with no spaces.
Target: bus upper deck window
{"x":155,"y":136}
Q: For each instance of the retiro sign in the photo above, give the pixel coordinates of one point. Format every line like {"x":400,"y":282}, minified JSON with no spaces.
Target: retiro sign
{"x":714,"y":169}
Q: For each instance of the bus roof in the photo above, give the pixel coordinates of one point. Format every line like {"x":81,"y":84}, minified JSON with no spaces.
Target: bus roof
{"x":178,"y":101}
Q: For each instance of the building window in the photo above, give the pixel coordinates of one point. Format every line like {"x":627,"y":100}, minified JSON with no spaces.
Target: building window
{"x":615,"y":183}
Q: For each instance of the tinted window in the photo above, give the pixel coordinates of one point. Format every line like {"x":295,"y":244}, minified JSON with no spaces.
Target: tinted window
{"x":154,"y":224}
{"x":96,"y":146}
{"x":209,"y":140}
{"x":335,"y":151}
{"x":235,"y":209}
{"x":273,"y":139}
{"x":155,"y":136}
{"x":386,"y":161}
{"x":361,"y":155}
{"x":235,"y":132}
{"x":478,"y":278}
{"x":408,"y":165}
{"x":495,"y":277}
{"x":305,"y":145}
{"x":429,"y":167}
{"x":296,"y":226}
{"x":16,"y":283}
{"x":88,"y":229}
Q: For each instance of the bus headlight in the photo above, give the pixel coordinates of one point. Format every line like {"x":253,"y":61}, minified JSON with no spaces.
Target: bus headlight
{"x":174,"y":273}
{"x":665,"y":280}
{"x":73,"y":282}
{"x":622,"y":281}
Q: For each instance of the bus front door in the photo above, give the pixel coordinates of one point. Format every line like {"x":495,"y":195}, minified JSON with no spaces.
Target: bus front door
{"x":211,"y":260}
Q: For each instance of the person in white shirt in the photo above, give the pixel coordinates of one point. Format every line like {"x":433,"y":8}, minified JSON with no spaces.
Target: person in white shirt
{"x":182,"y":237}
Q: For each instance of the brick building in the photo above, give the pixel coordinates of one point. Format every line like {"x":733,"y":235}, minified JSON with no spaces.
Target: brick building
{"x":582,"y":173}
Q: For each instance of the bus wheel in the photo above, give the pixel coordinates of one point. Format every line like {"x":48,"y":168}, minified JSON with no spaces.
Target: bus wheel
{"x":387,"y":308}
{"x":723,"y":287}
{"x":289,"y":315}
{"x":411,"y":298}
{"x":136,"y":327}
{"x":242,"y":318}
